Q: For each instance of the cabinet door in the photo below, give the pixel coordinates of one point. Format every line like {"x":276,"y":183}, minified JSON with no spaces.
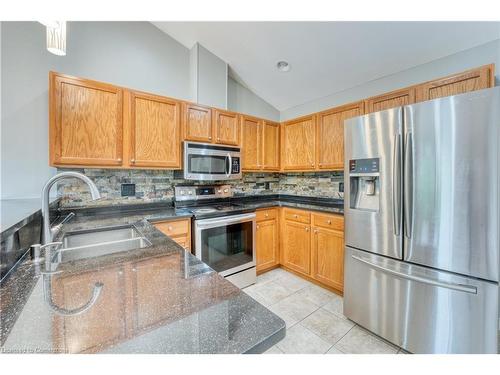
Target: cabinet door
{"x":252,"y":143}
{"x":299,"y":140}
{"x":86,"y":122}
{"x":330,"y":135}
{"x":271,"y":146}
{"x":267,"y":244}
{"x":153,"y":303}
{"x":227,"y":127}
{"x":155,"y":131}
{"x":102,"y":324}
{"x":328,"y":257}
{"x":197,"y":123}
{"x":296,"y":247}
{"x":390,"y":100}
{"x":475,"y":79}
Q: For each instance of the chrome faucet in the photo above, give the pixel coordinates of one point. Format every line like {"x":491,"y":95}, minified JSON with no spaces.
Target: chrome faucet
{"x":47,"y":232}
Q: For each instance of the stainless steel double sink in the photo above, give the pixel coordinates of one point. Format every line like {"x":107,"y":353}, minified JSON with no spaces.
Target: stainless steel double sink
{"x":98,"y":242}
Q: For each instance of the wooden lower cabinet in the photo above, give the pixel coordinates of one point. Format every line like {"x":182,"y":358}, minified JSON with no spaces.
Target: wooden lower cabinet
{"x":309,"y":243}
{"x":105,"y":323}
{"x":267,"y":240}
{"x":177,"y":230}
{"x":296,"y":246}
{"x":328,"y":257}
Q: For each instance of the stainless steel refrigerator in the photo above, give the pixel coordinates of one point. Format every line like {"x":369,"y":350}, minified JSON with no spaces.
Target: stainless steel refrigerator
{"x":422,"y":217}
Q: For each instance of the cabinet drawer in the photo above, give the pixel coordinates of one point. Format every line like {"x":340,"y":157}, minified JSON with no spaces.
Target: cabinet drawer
{"x":297,"y":215}
{"x":184,"y":241}
{"x":328,"y":221}
{"x":267,"y":214}
{"x":174,"y":227}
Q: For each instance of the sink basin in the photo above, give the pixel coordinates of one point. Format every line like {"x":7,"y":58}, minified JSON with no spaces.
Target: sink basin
{"x":97,"y":242}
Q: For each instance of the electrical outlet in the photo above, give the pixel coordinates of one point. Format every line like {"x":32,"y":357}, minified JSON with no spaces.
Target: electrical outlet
{"x":128,"y":190}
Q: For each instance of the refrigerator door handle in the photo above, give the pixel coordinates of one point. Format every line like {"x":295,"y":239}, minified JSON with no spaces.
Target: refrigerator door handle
{"x":396,"y":185}
{"x":419,"y":279}
{"x":408,"y":185}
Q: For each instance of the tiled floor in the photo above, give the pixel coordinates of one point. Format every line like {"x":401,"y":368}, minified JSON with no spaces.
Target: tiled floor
{"x":313,"y":317}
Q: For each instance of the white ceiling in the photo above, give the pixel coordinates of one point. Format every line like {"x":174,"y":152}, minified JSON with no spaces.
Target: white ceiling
{"x":325,"y":57}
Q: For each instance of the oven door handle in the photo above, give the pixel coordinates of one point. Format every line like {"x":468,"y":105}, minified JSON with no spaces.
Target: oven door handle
{"x":217,"y":222}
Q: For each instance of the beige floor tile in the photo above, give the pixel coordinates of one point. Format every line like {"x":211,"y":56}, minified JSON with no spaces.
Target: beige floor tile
{"x":292,"y":282}
{"x":299,"y":340}
{"x":256,"y":296}
{"x":271,"y":292}
{"x":273,"y":350}
{"x":334,"y":350}
{"x":360,"y":341}
{"x":296,"y":307}
{"x":283,"y":313}
{"x":317,"y":294}
{"x":327,"y":325}
{"x":336,"y":305}
{"x":270,"y":275}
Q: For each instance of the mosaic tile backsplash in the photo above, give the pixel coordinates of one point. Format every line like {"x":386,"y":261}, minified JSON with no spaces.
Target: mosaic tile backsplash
{"x":158,"y":185}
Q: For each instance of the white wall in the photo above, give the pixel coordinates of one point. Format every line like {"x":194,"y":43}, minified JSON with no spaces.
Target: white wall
{"x":471,"y":58}
{"x":240,"y":99}
{"x":132,"y":54}
{"x":212,"y":79}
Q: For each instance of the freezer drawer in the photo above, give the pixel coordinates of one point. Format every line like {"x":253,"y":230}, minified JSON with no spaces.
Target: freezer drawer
{"x":420,"y":309}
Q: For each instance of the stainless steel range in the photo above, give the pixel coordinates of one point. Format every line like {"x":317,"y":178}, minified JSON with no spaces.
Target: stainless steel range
{"x":223,"y":232}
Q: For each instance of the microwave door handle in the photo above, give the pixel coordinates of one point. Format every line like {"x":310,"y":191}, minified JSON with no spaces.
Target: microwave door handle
{"x":229,"y":162}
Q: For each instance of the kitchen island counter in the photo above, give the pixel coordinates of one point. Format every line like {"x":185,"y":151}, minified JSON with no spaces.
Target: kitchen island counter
{"x":158,"y":299}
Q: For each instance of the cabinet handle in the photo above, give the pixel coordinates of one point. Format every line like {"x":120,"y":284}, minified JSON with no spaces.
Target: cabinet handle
{"x":295,"y":216}
{"x":267,"y":215}
{"x":329,"y":221}
{"x":132,"y":161}
{"x":307,"y":229}
{"x":170,"y":228}
{"x":209,"y":137}
{"x":312,"y":165}
{"x":315,"y":231}
{"x":258,"y":227}
{"x":119,"y":160}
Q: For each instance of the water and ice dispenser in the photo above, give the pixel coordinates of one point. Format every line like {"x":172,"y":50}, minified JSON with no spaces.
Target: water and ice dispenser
{"x":365,"y":184}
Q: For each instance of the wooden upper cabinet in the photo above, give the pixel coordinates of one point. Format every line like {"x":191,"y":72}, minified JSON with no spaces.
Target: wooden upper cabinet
{"x":227,"y":127}
{"x":155,"y":131}
{"x":271,"y":146}
{"x":391,"y":99}
{"x":298,"y":144}
{"x":471,"y":80}
{"x":86,"y":122}
{"x":197,"y":123}
{"x":251,"y":149}
{"x":330,"y":135}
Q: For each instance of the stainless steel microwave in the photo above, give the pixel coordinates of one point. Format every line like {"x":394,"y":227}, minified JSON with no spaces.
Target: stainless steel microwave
{"x":209,"y":162}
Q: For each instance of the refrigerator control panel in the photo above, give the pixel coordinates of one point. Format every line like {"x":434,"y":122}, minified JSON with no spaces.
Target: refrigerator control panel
{"x":364,"y":165}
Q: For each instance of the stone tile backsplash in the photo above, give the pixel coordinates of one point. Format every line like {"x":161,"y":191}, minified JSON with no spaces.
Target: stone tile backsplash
{"x":158,"y":185}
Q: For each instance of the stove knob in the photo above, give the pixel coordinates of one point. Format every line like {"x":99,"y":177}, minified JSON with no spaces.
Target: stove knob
{"x":225,"y":190}
{"x":190,"y":193}
{"x":219,"y":191}
{"x":183,"y":192}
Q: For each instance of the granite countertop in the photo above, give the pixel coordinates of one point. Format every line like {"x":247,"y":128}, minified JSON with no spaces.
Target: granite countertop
{"x":159,"y":299}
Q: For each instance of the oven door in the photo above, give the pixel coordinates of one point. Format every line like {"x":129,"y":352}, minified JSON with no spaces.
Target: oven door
{"x":226,"y":244}
{"x":210,"y":162}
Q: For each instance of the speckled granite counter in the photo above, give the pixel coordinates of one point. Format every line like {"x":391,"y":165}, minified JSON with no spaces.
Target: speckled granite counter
{"x":158,"y":299}
{"x":329,"y":205}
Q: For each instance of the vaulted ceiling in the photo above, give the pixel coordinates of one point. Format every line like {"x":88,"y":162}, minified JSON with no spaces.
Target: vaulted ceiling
{"x":325,"y":57}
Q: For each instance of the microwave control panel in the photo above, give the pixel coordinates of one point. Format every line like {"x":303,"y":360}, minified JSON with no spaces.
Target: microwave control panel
{"x":235,"y":168}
